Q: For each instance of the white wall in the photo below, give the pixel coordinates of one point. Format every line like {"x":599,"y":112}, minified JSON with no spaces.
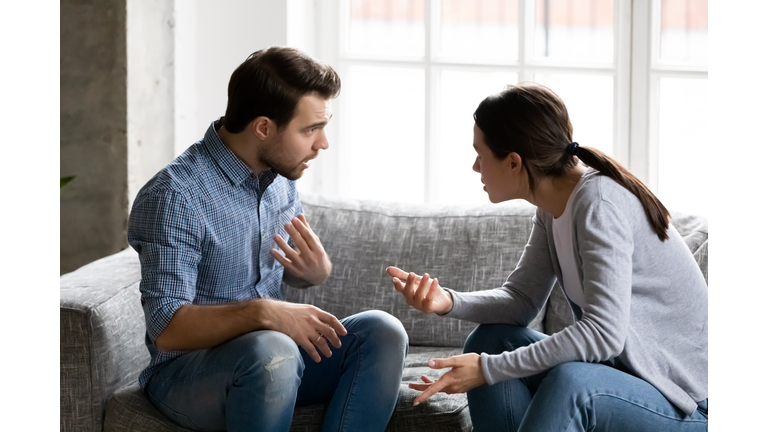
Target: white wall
{"x":213,"y":38}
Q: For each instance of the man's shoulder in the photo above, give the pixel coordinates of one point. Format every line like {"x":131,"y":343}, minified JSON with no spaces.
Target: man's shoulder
{"x":184,"y":175}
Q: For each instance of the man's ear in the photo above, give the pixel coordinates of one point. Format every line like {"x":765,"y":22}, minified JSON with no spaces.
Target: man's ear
{"x":262,"y":127}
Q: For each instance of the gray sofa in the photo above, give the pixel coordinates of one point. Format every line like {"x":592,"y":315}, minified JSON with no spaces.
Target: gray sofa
{"x":467,"y":247}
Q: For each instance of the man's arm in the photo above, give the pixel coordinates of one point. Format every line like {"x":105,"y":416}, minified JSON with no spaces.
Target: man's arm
{"x":204,"y":326}
{"x":307,"y":265}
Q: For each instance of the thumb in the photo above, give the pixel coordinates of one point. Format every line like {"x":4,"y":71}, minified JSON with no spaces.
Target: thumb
{"x":440,"y":363}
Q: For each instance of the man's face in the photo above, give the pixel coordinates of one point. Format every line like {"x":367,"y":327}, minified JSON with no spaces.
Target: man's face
{"x":291,"y":151}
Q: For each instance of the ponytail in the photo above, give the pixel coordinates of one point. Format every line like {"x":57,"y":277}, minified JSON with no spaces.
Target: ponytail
{"x":658,"y":215}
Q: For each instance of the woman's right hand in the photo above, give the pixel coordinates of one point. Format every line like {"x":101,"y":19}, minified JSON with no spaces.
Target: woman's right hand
{"x":421,"y":292}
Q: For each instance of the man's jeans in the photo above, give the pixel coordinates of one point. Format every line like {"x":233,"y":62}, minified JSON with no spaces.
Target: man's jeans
{"x":254,"y":381}
{"x":569,"y":397}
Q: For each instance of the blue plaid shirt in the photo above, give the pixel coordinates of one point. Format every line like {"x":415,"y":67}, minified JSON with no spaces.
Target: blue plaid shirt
{"x":203,"y":228}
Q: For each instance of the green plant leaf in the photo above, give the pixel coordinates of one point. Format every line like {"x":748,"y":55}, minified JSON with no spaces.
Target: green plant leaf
{"x":65,"y":180}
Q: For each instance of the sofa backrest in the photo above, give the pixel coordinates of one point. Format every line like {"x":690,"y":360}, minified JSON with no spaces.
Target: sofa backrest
{"x":467,"y":248}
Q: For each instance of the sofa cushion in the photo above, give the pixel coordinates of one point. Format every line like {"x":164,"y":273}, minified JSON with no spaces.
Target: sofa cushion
{"x":468,"y":248}
{"x":130,"y":410}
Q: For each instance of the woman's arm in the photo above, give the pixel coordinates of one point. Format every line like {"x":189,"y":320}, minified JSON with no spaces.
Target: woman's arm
{"x":605,"y":245}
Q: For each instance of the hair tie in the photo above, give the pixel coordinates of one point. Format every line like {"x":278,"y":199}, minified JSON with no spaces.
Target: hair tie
{"x":571,"y":149}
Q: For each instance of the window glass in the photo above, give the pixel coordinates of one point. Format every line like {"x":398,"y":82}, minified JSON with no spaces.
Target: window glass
{"x":575,"y":31}
{"x":589,"y":100}
{"x":683,"y":145}
{"x":452,"y":154}
{"x":684,"y":32}
{"x":384,"y":146}
{"x":392,"y":28}
{"x":478,"y":30}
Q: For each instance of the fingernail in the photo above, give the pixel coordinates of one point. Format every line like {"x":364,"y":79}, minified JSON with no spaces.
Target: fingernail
{"x":431,"y":363}
{"x":415,"y":403}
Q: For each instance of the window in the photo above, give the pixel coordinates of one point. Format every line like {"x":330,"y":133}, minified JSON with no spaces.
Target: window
{"x":632,"y":75}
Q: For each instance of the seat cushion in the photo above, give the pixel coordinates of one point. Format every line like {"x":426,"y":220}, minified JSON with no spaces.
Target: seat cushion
{"x":130,"y":410}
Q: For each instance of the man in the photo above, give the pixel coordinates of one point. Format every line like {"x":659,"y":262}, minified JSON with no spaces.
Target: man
{"x":217,"y":230}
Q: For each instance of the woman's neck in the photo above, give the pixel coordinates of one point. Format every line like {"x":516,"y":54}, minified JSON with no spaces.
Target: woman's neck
{"x":552,"y":193}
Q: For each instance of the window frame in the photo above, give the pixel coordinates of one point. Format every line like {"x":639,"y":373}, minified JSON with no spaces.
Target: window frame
{"x":635,"y":71}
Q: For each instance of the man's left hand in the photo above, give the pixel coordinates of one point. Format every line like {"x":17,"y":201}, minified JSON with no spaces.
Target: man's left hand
{"x":465,"y":375}
{"x":308,"y":262}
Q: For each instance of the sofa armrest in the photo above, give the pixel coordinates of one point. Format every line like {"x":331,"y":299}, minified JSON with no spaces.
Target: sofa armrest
{"x":101,"y":337}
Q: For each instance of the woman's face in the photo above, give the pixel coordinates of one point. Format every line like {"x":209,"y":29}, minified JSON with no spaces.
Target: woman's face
{"x":500,"y":178}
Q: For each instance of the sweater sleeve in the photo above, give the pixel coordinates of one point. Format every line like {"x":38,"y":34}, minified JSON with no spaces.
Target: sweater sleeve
{"x":523,"y":294}
{"x":604,"y":247}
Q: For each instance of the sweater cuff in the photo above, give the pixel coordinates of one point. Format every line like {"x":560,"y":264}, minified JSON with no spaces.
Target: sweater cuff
{"x":456,"y":304}
{"x":485,"y":359}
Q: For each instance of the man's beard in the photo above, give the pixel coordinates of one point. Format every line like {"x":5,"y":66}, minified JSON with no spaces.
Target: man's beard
{"x":281,"y":163}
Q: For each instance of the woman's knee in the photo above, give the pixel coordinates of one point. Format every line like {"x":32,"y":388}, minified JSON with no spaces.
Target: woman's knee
{"x":497,"y":338}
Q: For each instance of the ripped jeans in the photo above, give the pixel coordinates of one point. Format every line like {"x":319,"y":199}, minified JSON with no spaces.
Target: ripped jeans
{"x":254,"y":381}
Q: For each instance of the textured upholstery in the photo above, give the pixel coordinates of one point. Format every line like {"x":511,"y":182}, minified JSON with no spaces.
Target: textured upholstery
{"x":467,"y":247}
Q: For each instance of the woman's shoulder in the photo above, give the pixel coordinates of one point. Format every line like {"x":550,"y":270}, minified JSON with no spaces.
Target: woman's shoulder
{"x":600,"y":192}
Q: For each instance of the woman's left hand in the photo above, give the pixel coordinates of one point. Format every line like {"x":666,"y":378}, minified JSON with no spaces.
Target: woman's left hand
{"x":466,"y":374}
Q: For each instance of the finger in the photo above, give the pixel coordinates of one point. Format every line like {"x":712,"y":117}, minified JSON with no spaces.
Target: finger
{"x":399,"y":285}
{"x":429,"y":299}
{"x":306,"y":234}
{"x":330,"y":334}
{"x":298,"y":239}
{"x":426,"y":379}
{"x":281,"y":259}
{"x":309,"y":347}
{"x":322,"y":344}
{"x":287,"y":249}
{"x":433,"y":388}
{"x":419,"y":386}
{"x":441,"y":363}
{"x":334,"y":324}
{"x":408,"y":289}
{"x":304,"y":220}
{"x":421,"y":291}
{"x":396,"y":272}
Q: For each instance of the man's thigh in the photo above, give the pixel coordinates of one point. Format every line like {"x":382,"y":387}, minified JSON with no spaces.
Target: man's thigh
{"x":208,"y":389}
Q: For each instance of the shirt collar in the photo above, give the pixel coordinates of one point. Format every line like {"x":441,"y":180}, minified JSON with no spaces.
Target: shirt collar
{"x":233,"y":167}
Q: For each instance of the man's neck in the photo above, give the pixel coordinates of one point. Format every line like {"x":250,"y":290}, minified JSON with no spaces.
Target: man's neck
{"x":244,"y":148}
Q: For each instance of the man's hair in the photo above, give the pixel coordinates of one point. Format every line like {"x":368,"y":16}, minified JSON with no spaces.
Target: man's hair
{"x":270,"y":83}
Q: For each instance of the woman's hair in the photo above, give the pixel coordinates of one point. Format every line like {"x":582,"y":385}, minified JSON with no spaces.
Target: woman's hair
{"x":270,"y":83}
{"x":531,"y":120}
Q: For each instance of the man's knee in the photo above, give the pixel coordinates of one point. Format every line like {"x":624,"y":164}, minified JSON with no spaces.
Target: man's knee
{"x":387,"y":331}
{"x":268,"y":356}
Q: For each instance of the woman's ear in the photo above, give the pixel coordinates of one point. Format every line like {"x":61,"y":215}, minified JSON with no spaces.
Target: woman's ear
{"x":262,"y":127}
{"x":514,"y":162}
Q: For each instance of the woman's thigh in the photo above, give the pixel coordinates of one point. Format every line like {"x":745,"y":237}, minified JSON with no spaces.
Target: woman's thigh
{"x":594,"y":397}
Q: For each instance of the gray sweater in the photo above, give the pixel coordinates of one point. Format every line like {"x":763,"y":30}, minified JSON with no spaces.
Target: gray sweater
{"x":646,"y":300}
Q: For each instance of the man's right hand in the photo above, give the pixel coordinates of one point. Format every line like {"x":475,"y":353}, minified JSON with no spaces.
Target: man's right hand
{"x":421,"y":292}
{"x":310,"y":327}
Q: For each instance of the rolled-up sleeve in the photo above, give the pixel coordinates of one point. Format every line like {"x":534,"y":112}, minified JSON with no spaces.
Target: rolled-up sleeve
{"x":167,"y":235}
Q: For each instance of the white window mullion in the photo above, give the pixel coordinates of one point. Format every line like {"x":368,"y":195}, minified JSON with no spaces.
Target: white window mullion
{"x":640,"y":86}
{"x":430,"y":11}
{"x":622,"y":59}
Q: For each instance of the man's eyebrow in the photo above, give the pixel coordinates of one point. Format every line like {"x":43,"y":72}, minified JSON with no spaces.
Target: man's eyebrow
{"x":318,"y":124}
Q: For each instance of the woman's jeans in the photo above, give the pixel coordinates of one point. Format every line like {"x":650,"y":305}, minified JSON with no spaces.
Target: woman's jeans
{"x":569,"y":397}
{"x":253,"y":382}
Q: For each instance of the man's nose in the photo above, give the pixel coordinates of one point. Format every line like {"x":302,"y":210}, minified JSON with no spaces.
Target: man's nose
{"x":322,"y":141}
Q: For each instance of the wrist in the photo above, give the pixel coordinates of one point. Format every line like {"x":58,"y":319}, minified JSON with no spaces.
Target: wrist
{"x":261,"y":312}
{"x":450,"y":303}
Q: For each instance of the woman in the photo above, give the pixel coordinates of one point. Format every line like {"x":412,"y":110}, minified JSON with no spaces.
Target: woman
{"x":636,"y":357}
